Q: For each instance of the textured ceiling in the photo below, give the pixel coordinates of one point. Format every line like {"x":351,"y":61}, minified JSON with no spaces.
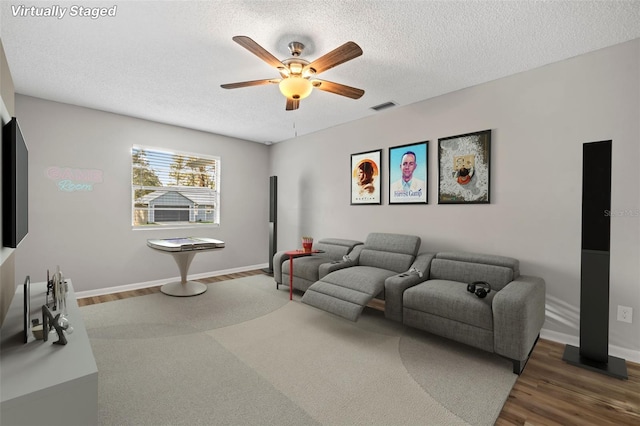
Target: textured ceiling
{"x":165,"y":60}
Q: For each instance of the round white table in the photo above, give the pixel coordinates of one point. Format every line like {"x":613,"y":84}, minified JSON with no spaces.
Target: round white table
{"x":183,"y":251}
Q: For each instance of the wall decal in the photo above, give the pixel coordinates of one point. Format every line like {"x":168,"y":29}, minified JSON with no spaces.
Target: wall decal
{"x":73,"y":180}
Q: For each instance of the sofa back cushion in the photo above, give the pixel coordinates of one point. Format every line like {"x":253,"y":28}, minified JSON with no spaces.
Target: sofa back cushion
{"x":335,"y":248}
{"x":498,"y":271}
{"x":394,"y":252}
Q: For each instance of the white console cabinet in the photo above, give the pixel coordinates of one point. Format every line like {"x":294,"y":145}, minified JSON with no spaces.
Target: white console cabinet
{"x":42,"y":383}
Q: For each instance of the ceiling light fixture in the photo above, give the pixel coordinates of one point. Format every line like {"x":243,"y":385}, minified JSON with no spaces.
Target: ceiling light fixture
{"x":298,"y":74}
{"x":295,"y":87}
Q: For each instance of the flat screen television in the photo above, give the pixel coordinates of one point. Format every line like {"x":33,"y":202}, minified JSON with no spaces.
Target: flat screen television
{"x":15,"y":185}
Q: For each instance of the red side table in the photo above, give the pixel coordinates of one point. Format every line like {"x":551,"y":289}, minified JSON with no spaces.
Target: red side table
{"x":292,"y":254}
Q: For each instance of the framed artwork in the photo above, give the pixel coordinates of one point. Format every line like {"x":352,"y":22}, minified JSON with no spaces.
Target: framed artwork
{"x":464,"y":168}
{"x":366,"y":177}
{"x":408,"y":174}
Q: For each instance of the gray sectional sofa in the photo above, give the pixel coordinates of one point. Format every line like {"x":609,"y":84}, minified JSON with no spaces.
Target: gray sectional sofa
{"x":431,"y":292}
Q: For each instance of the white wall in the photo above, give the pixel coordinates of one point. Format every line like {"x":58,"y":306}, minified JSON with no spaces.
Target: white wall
{"x":89,"y":234}
{"x":539,"y":121}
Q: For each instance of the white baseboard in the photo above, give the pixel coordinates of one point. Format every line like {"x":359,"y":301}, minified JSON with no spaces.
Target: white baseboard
{"x":137,"y":286}
{"x":567,"y":339}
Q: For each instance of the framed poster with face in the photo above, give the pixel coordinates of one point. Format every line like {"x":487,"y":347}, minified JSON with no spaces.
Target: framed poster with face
{"x":366,"y":177}
{"x":408,"y":174}
{"x":464,"y":168}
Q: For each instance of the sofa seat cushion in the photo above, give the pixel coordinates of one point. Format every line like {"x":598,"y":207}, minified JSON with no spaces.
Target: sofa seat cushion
{"x":305,"y":267}
{"x":365,"y":279}
{"x":451,"y":300}
{"x":346,"y":292}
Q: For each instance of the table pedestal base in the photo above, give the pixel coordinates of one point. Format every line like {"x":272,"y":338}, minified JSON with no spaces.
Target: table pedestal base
{"x":183,"y":289}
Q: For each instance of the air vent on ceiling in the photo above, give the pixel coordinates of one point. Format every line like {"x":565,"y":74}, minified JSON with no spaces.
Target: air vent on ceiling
{"x":383,"y":106}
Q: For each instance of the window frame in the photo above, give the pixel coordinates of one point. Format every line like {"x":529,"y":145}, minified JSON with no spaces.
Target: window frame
{"x":179,"y":189}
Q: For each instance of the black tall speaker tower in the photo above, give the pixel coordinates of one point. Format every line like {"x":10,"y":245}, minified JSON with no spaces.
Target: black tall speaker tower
{"x":593,"y":353}
{"x":273,"y":221}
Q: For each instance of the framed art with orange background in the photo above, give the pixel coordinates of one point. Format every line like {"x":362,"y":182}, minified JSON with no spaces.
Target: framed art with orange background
{"x":366,"y":177}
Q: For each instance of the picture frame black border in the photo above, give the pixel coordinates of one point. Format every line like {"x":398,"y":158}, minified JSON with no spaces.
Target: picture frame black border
{"x":426,"y":174}
{"x":380,"y":177}
{"x":486,"y":133}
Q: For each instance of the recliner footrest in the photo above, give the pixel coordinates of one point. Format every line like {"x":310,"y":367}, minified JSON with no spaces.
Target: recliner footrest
{"x":338,"y":300}
{"x":341,"y":308}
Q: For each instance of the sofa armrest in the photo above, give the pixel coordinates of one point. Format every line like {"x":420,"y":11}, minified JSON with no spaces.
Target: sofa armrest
{"x":395,"y":286}
{"x":278,"y":259}
{"x":423,"y":263}
{"x":354,"y":254}
{"x":518,"y":316}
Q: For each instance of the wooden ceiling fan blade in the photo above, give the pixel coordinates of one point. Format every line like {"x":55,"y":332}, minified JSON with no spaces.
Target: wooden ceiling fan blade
{"x":258,"y":50}
{"x":338,"y":89}
{"x":250,"y":83}
{"x":340,"y":55}
{"x":292,"y":104}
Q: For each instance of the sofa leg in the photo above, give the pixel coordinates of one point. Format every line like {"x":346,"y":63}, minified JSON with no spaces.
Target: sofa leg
{"x":518,"y":365}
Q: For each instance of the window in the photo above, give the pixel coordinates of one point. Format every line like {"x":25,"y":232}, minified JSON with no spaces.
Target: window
{"x":174,"y":188}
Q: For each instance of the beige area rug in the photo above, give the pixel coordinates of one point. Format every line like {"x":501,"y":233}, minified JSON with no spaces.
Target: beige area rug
{"x":243,"y":354}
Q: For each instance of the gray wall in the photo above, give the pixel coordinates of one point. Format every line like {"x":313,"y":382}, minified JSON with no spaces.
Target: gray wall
{"x":89,"y":234}
{"x":539,"y":119}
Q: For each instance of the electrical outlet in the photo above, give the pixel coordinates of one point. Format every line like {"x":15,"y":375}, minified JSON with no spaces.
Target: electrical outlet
{"x":625,"y":314}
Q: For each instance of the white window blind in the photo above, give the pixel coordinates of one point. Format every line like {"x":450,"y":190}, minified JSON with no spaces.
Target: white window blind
{"x":174,"y":188}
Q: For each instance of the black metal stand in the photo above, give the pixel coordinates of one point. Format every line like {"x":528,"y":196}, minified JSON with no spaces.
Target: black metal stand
{"x":273,"y":222}
{"x":614,"y":367}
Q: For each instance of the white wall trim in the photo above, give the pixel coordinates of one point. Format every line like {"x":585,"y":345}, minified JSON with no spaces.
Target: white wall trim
{"x":137,"y":286}
{"x":617,"y":351}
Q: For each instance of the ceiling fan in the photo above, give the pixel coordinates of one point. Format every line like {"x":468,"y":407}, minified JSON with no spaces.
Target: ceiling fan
{"x":298,"y":75}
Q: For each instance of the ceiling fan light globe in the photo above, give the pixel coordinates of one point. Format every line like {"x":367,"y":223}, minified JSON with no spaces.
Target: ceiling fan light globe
{"x":295,"y":87}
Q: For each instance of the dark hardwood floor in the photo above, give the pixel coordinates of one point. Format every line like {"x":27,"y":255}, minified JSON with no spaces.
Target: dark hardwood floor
{"x":549,"y":391}
{"x":151,"y":290}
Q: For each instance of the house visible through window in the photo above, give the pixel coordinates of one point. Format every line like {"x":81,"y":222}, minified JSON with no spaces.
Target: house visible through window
{"x":174,"y":188}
